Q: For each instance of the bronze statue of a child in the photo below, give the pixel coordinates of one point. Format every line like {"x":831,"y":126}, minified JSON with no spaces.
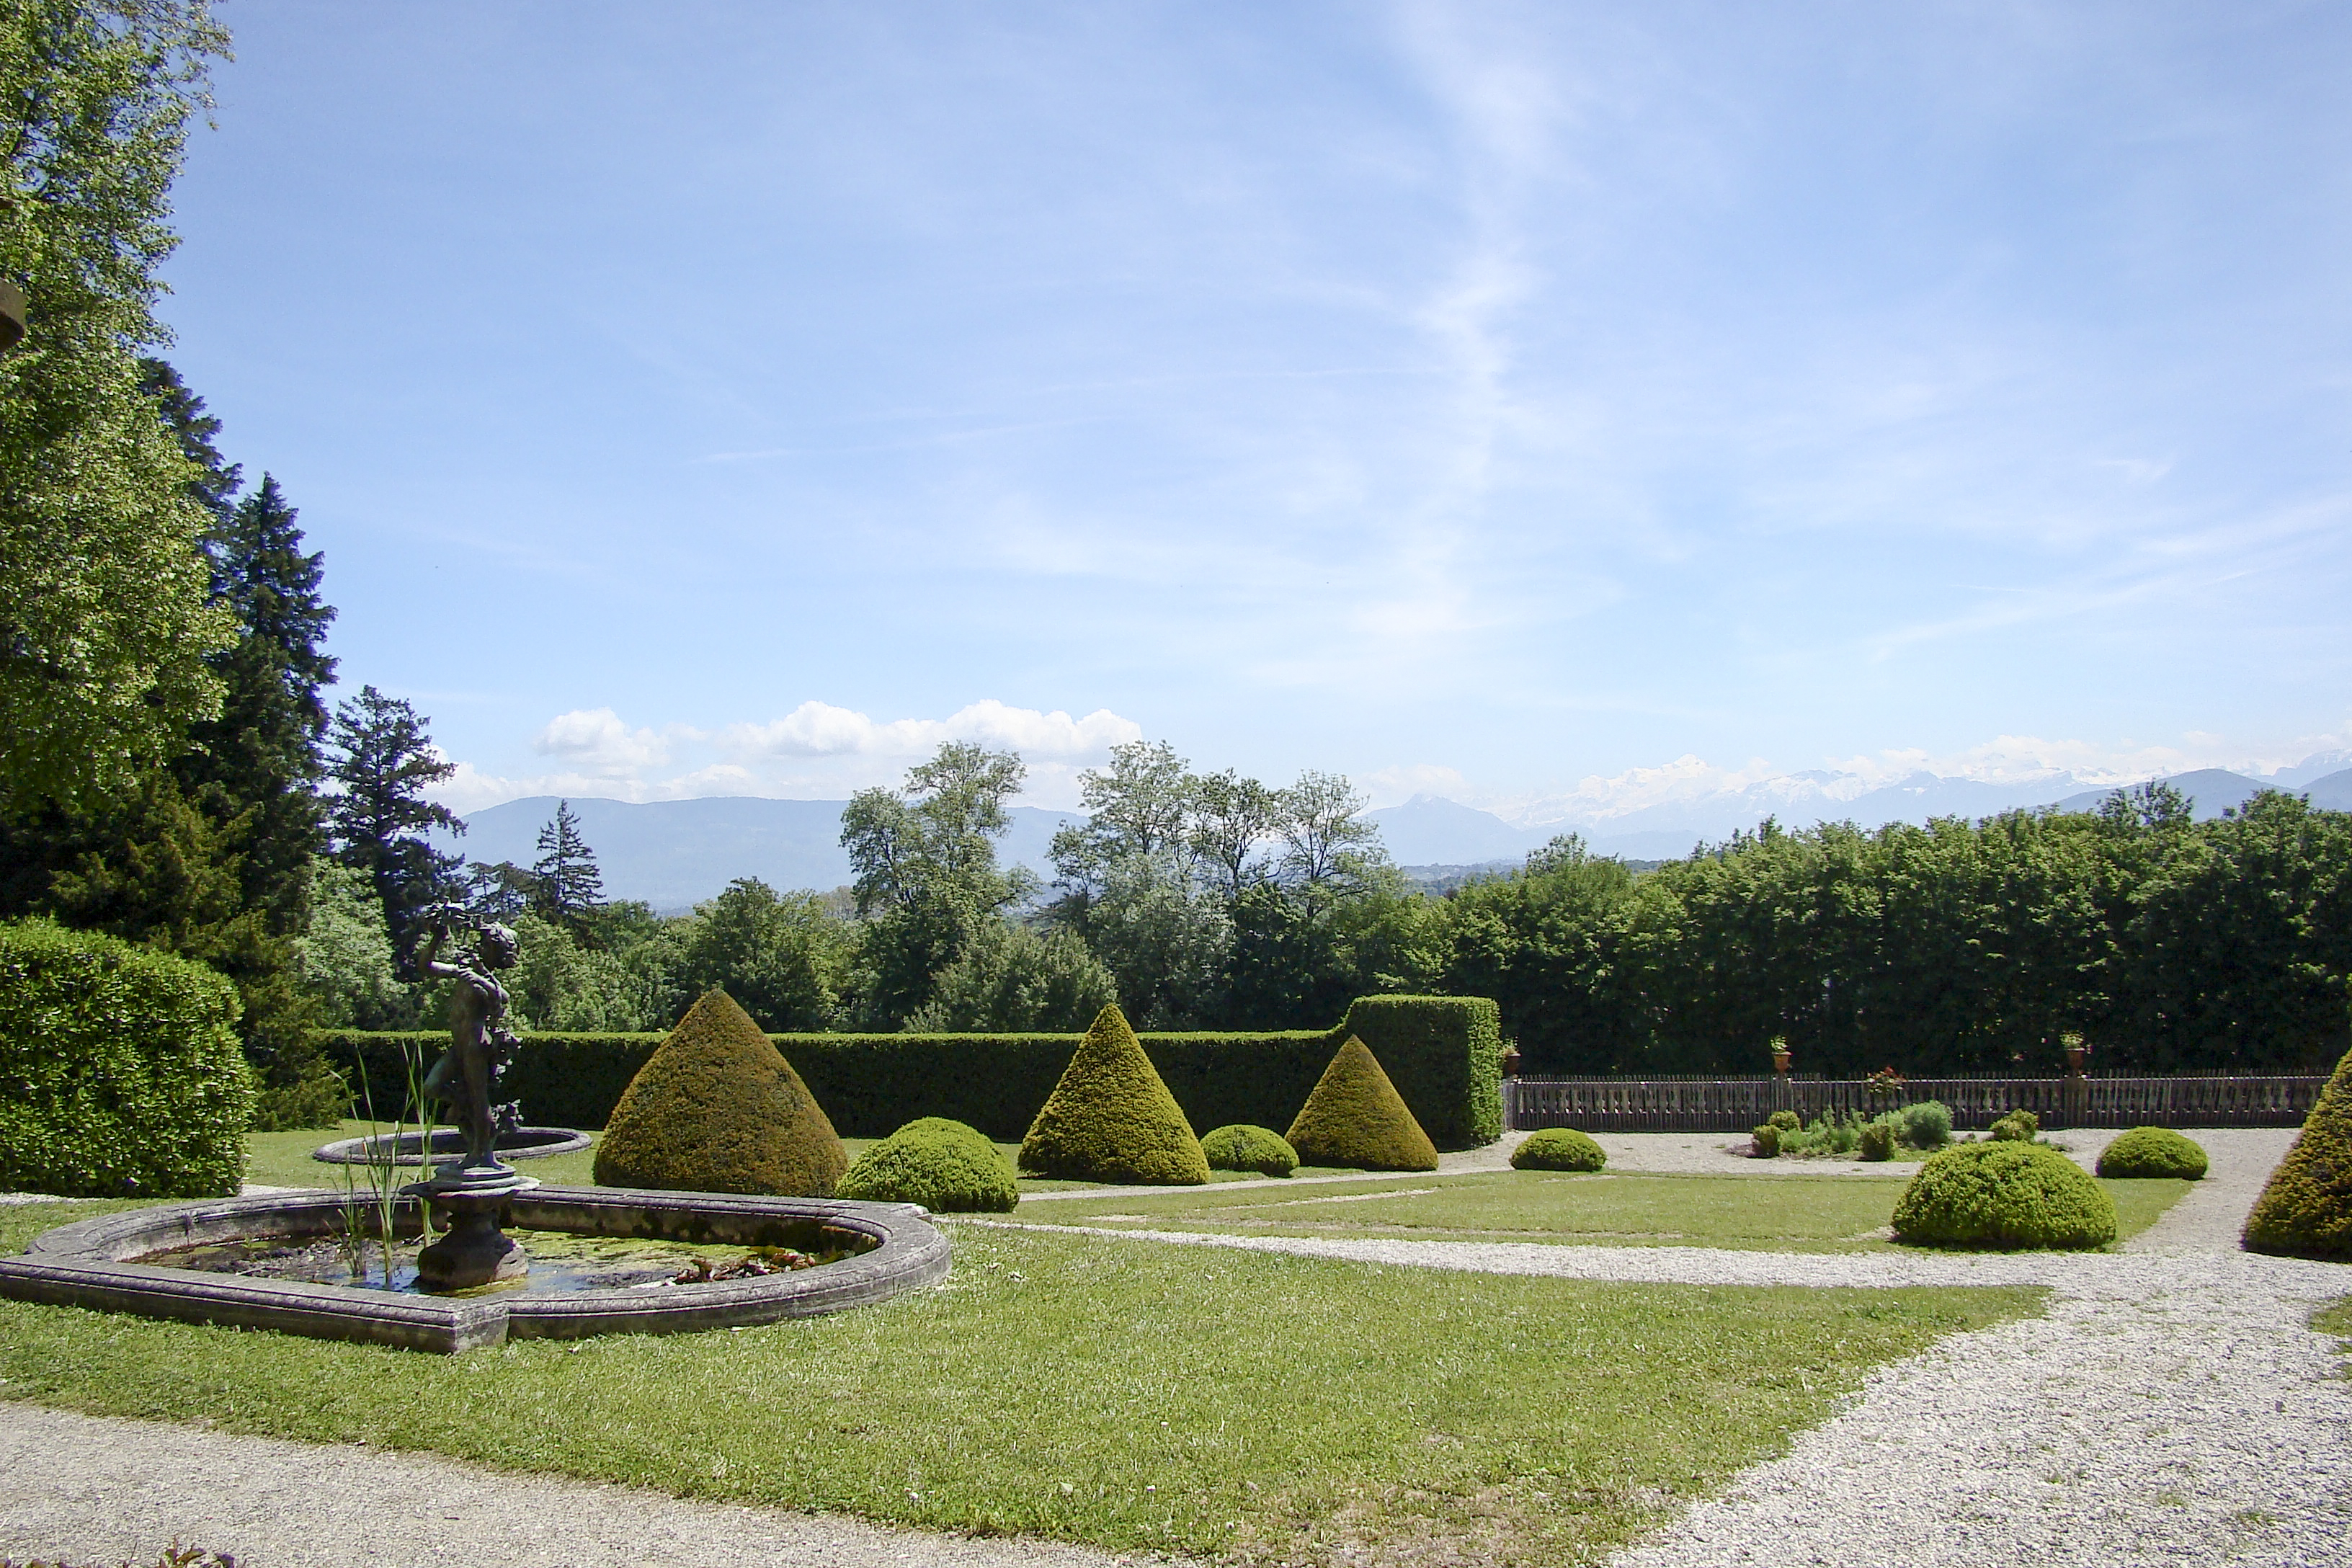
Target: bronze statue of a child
{"x":479,"y":1041}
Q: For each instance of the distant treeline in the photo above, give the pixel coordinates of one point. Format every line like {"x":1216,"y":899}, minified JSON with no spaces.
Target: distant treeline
{"x":1207,"y":903}
{"x":2170,"y":946}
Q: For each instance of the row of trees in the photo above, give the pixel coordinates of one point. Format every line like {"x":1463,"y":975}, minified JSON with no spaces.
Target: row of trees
{"x":1207,"y":900}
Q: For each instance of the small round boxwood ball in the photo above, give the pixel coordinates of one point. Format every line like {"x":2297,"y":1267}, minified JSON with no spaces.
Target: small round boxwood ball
{"x":2145,"y":1151}
{"x":946,"y":1166}
{"x":1245,"y":1147}
{"x":1558,"y":1149}
{"x":2004,"y":1193}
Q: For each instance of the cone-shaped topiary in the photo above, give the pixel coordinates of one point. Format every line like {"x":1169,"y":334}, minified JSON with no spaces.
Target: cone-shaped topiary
{"x":1355,"y":1117}
{"x":2004,"y":1193}
{"x":1243,"y":1147}
{"x":2306,"y":1209}
{"x":943,"y":1165}
{"x":1559,"y":1149}
{"x":2146,"y":1152}
{"x":717,"y":1109}
{"x":1111,"y":1119}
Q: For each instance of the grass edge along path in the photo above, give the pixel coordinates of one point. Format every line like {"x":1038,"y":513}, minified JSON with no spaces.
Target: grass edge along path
{"x":1829,"y":1214}
{"x":1252,"y":1408}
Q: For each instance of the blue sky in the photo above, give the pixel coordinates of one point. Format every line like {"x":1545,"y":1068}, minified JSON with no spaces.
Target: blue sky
{"x":1513,"y":401}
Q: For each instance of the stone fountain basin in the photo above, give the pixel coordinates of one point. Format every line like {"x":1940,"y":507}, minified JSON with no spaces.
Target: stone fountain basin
{"x":517,"y":1144}
{"x":87,"y":1263}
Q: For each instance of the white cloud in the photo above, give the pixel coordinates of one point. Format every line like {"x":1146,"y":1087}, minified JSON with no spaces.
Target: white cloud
{"x":819,"y":729}
{"x":817,"y":751}
{"x":594,"y":739}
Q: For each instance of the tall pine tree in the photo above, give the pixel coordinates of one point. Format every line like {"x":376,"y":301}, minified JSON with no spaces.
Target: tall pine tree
{"x":566,"y":885}
{"x":383,"y":760}
{"x":258,"y":765}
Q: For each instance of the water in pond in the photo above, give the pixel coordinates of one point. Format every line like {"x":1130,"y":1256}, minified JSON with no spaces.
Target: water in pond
{"x":561,"y":1262}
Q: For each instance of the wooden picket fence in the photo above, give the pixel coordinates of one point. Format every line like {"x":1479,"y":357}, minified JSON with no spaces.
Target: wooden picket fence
{"x":1736,"y":1105}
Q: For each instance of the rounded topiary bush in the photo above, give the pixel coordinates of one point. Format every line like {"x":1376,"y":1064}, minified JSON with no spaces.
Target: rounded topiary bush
{"x":1243,"y":1147}
{"x":717,"y":1109}
{"x":1786,"y":1121}
{"x":1925,"y":1124}
{"x":119,"y":1071}
{"x":942,"y":1164}
{"x":2145,"y":1151}
{"x":1765,"y":1142}
{"x":2017,"y":1127}
{"x":2004,"y":1193}
{"x":1558,"y":1149}
{"x":1876,"y":1142}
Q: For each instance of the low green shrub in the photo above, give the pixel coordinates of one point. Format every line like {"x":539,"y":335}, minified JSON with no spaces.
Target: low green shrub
{"x":2004,"y":1193}
{"x":1826,"y":1134}
{"x":1786,"y":1120}
{"x":2017,"y":1127}
{"x":1558,"y":1149}
{"x":1245,"y":1147}
{"x":119,"y":1069}
{"x":946,"y":1166}
{"x":1877,"y":1141}
{"x":1925,"y":1125}
{"x":1765,"y":1142}
{"x":2148,"y":1152}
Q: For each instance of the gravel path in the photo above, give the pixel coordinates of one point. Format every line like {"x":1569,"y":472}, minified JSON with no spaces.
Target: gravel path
{"x":90,"y":1489}
{"x":2172,"y":1408}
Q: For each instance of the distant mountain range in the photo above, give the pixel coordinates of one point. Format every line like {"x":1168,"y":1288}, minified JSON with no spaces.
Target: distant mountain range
{"x":1427,"y":830}
{"x":674,"y":854}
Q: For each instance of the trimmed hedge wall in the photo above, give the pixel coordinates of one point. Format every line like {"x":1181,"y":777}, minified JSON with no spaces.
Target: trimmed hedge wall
{"x":119,"y":1073}
{"x":1443,"y":1054}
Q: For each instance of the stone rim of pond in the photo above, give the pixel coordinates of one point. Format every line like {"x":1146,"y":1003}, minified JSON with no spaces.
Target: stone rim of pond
{"x":87,"y":1263}
{"x":517,"y":1144}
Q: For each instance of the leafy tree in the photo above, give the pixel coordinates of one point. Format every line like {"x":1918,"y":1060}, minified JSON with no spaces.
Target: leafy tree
{"x":781,"y":956}
{"x":105,"y":623}
{"x":1128,"y":888}
{"x":1009,"y":979}
{"x":152,"y":868}
{"x":565,"y":882}
{"x":1325,"y":844}
{"x":345,"y":953}
{"x":383,"y":761}
{"x":927,"y":873}
{"x":1232,"y":819}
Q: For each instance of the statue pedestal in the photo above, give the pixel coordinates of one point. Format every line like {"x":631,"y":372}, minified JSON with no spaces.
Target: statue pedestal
{"x":471,"y":1201}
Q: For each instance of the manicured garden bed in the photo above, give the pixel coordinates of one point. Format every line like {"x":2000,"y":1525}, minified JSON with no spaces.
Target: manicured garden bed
{"x":1796,"y":1214}
{"x":1132,"y":1395}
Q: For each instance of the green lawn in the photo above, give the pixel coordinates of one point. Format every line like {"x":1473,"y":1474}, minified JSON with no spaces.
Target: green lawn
{"x":283,"y":1160}
{"x":1805,"y":1214}
{"x":1135,"y":1396}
